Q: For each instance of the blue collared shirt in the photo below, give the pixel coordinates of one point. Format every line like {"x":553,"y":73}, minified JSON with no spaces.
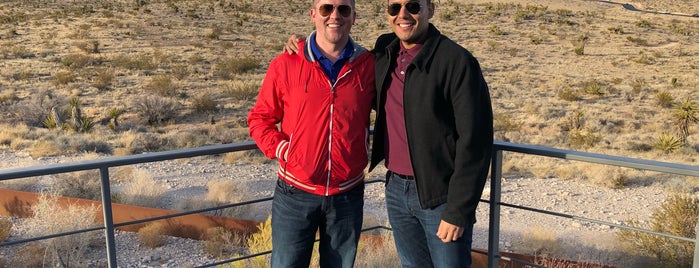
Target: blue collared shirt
{"x":332,"y":70}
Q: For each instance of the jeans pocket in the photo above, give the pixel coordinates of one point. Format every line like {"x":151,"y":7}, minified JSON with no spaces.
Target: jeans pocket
{"x":285,"y":188}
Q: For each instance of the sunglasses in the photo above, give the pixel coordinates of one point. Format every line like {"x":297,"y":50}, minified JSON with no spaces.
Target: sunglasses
{"x":412,"y":7}
{"x":327,"y":9}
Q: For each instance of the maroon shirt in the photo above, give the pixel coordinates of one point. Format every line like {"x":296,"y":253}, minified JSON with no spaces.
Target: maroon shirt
{"x":397,"y":153}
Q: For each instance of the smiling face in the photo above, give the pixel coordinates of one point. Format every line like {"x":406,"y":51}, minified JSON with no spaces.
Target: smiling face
{"x":333,"y":21}
{"x":410,"y":28}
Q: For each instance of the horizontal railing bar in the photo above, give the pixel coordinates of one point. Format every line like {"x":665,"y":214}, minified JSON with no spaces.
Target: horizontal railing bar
{"x":563,"y":215}
{"x":124,"y":160}
{"x":666,"y":167}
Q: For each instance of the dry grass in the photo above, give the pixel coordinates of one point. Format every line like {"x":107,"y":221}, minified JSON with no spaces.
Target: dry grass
{"x":50,"y":218}
{"x":152,"y":235}
{"x":141,"y":189}
{"x":5,"y":228}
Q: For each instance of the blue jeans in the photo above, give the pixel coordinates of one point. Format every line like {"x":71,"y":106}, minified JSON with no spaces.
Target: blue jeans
{"x":415,"y":229}
{"x":296,"y":218}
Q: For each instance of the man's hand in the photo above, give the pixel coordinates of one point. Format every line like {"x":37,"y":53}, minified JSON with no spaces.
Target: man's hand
{"x":292,"y":45}
{"x":448,"y":232}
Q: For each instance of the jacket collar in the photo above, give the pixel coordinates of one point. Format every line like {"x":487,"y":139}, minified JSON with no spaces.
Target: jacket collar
{"x":423,"y":58}
{"x":308,"y":53}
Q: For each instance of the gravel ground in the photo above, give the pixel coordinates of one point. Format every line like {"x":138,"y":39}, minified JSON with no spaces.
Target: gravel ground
{"x":187,"y":179}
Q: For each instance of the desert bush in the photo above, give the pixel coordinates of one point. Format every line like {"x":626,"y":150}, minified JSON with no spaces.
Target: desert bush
{"x":229,"y":67}
{"x":214,"y":34}
{"x":637,"y":85}
{"x":142,"y":189}
{"x":63,"y":77}
{"x":680,"y":29}
{"x":638,"y":41}
{"x":79,"y":184}
{"x":162,"y":85}
{"x":677,"y":215}
{"x":593,"y":87}
{"x":616,"y":30}
{"x":34,"y":109}
{"x":50,"y":218}
{"x":220,"y":242}
{"x":204,"y":103}
{"x":223,"y":192}
{"x":644,"y":58}
{"x":77,"y":61}
{"x":505,"y":122}
{"x":258,"y":243}
{"x":5,"y":228}
{"x":103,"y":79}
{"x":644,"y":24}
{"x":242,"y":91}
{"x":685,"y":114}
{"x":583,"y":138}
{"x":664,"y":98}
{"x":568,"y":94}
{"x":538,"y":240}
{"x":156,"y":110}
{"x":152,"y":235}
{"x":135,"y":62}
{"x":667,"y":143}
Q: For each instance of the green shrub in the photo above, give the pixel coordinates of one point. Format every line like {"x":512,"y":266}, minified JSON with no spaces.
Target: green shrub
{"x":667,"y":143}
{"x":665,"y":99}
{"x":676,"y":216}
{"x":685,"y":114}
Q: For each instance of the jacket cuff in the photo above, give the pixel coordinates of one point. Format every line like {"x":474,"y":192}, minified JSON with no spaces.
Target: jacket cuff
{"x":282,"y":150}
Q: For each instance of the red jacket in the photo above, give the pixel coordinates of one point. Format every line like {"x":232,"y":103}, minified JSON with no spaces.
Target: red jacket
{"x":322,"y":141}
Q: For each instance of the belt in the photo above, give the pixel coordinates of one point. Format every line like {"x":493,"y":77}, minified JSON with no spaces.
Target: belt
{"x":405,"y":177}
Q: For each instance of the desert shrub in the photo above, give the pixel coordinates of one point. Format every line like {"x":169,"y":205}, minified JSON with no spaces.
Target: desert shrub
{"x":214,"y":34}
{"x":77,"y":61}
{"x":638,"y":41}
{"x":644,"y":58}
{"x":616,"y":30}
{"x":505,"y":122}
{"x":664,"y":98}
{"x":259,"y":242}
{"x":583,"y":138}
{"x":680,"y":29}
{"x":80,"y":184}
{"x":152,"y":235}
{"x":684,"y":115}
{"x":667,"y":143}
{"x":644,"y":24}
{"x":538,"y":240}
{"x":135,"y":61}
{"x":156,"y":110}
{"x":223,"y":192}
{"x":637,"y":85}
{"x":594,"y":88}
{"x":242,"y":91}
{"x":142,"y":189}
{"x":63,"y":77}
{"x":34,"y":109}
{"x":5,"y":228}
{"x":50,"y":218}
{"x":220,"y":242}
{"x":229,"y":67}
{"x":103,"y":79}
{"x":162,"y":85}
{"x":568,"y":94}
{"x":677,"y":215}
{"x":204,"y":103}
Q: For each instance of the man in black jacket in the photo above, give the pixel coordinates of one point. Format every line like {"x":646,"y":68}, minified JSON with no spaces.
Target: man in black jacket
{"x":434,"y":128}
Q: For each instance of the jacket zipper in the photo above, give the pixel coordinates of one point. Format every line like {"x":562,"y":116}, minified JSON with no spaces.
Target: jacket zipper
{"x":330,"y":130}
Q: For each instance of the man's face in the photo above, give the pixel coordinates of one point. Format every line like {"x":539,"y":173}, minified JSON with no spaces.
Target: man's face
{"x":333,"y":20}
{"x":409,"y":19}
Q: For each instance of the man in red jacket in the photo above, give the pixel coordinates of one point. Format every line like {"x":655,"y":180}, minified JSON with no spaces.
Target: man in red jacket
{"x":312,"y":115}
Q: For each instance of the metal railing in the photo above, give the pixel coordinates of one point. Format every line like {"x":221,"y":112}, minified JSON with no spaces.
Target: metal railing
{"x":104,"y":164}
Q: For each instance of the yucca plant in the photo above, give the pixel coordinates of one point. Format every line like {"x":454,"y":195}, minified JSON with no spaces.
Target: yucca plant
{"x":685,"y":114}
{"x":667,"y":143}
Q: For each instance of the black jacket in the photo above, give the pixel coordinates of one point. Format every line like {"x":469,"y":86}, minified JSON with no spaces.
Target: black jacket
{"x":449,"y":121}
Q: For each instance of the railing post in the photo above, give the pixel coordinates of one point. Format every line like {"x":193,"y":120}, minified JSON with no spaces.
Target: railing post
{"x":108,"y":220}
{"x":494,"y":223}
{"x":696,"y":245}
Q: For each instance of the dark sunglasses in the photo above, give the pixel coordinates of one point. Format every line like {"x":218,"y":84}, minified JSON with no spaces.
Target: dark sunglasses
{"x":412,"y":7}
{"x":327,"y":9}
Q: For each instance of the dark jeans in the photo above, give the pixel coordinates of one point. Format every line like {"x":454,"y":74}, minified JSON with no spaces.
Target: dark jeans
{"x":415,"y":229}
{"x":296,"y":218}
